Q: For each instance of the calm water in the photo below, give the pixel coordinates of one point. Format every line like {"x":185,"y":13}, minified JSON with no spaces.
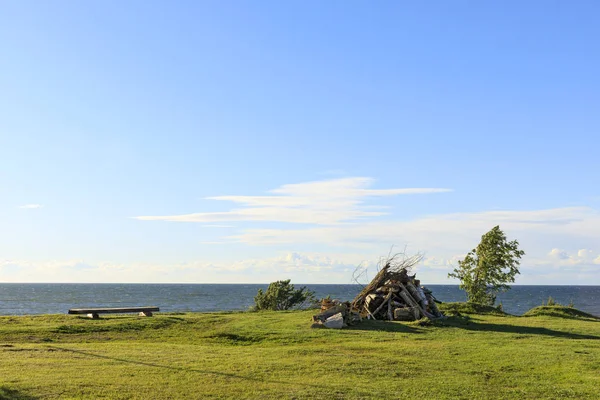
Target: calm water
{"x":56,"y":298}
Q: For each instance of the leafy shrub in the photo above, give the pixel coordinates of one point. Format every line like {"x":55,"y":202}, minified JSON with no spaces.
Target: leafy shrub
{"x":282,"y":295}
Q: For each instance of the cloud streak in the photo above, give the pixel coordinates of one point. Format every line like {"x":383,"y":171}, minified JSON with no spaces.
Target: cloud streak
{"x":437,"y":229}
{"x":31,"y":206}
{"x":328,"y":202}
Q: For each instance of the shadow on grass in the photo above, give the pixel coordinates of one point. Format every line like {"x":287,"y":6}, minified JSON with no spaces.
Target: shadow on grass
{"x":12,"y":394}
{"x":574,"y":318}
{"x":470,"y":325}
{"x":199,"y":371}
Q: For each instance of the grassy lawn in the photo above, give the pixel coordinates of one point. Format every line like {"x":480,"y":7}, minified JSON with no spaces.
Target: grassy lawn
{"x":552,"y":354}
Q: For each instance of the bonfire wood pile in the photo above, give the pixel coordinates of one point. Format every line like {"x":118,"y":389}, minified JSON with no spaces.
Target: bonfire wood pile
{"x":392,"y":295}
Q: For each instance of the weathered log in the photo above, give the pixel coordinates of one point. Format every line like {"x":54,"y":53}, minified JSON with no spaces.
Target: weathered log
{"x":415,"y":293}
{"x":336,"y":321}
{"x":385,"y":300}
{"x":371,"y":298}
{"x":421,"y":308}
{"x":405,"y":314}
{"x":434,"y":308}
{"x":410,"y":301}
{"x":416,"y":313}
{"x":328,"y":313}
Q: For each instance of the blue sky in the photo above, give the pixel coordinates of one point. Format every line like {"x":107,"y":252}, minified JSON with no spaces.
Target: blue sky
{"x":253,"y":141}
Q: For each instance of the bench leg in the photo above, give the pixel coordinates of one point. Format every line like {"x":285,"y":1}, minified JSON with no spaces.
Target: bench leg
{"x":93,"y":316}
{"x":145,"y":314}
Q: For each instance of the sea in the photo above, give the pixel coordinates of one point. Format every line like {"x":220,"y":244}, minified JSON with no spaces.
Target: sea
{"x":58,"y":298}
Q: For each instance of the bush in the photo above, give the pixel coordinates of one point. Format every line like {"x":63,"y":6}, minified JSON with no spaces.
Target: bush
{"x":282,"y":295}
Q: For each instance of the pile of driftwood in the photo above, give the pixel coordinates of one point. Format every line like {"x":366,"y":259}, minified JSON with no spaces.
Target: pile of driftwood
{"x":395,"y":295}
{"x":392,"y":295}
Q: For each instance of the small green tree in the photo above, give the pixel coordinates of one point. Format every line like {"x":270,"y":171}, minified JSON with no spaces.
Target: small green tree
{"x":488,"y":269}
{"x":282,"y":295}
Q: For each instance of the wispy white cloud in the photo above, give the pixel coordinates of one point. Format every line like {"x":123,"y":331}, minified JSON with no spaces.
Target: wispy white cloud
{"x":31,"y":206}
{"x":444,"y":230}
{"x":446,"y":238}
{"x":327,"y":202}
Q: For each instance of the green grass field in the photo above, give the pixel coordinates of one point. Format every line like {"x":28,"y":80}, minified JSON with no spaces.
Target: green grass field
{"x":477,"y":353}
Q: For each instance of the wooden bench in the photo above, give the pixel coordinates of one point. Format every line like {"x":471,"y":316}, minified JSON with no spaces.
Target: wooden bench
{"x":94,"y":312}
